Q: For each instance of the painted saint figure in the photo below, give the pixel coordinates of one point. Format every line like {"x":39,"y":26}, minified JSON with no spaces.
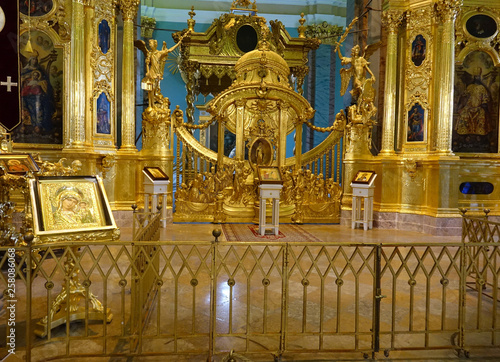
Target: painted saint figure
{"x":103,"y":122}
{"x":415,"y":126}
{"x":473,"y":108}
{"x":418,"y":50}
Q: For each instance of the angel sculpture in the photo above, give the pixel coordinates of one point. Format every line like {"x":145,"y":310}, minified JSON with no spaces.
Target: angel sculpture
{"x":359,"y":67}
{"x":155,"y":64}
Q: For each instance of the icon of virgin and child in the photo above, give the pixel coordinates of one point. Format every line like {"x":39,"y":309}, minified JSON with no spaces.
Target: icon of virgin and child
{"x":72,"y":209}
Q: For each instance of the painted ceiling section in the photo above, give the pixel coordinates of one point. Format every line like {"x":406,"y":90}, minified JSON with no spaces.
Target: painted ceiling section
{"x":287,"y":11}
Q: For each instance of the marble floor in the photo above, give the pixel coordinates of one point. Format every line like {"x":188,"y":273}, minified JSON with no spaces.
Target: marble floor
{"x":247,"y":298}
{"x":324,"y":232}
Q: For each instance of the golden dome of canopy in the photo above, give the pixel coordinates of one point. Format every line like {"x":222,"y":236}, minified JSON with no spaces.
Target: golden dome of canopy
{"x":262,"y":64}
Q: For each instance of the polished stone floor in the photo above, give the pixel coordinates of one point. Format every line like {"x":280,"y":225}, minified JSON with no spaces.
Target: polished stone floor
{"x":324,"y":232}
{"x":194,"y":232}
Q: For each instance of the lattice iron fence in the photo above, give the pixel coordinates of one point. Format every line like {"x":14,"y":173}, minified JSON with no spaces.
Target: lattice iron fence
{"x":205,"y":299}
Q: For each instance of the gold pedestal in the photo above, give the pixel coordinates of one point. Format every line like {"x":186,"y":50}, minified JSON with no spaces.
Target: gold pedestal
{"x":66,"y":306}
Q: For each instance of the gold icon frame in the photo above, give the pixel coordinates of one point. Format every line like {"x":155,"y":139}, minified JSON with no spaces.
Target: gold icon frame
{"x":73,"y":207}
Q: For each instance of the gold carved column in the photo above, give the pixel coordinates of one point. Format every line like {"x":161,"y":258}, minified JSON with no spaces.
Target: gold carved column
{"x":283,"y":107}
{"x":240,"y":118}
{"x":77,"y":91}
{"x":129,"y":12}
{"x":89,"y":81}
{"x":447,"y":11}
{"x":391,"y":20}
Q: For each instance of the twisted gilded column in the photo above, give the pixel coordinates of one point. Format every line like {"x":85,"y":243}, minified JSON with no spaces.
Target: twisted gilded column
{"x":391,"y":20}
{"x":447,"y":11}
{"x":129,"y":11}
{"x":77,"y":92}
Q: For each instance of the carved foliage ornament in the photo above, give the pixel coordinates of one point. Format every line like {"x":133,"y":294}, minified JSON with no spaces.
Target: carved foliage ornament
{"x":129,"y":8}
{"x":392,"y":19}
{"x":99,"y":87}
{"x":447,"y":10}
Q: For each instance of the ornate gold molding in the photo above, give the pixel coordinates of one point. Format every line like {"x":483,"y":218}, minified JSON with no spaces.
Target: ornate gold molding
{"x":129,"y":8}
{"x":327,"y":33}
{"x":447,"y":10}
{"x":392,"y":19}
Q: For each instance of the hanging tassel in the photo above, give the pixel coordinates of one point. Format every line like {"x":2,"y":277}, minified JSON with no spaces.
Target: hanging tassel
{"x":28,"y":48}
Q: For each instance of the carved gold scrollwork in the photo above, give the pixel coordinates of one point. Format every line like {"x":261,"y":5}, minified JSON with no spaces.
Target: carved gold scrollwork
{"x":447,"y":10}
{"x":300,"y":73}
{"x":391,"y":20}
{"x":419,"y":76}
{"x":99,"y":87}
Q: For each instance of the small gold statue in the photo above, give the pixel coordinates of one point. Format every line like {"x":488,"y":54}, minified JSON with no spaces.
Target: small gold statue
{"x":359,"y":66}
{"x":155,"y":64}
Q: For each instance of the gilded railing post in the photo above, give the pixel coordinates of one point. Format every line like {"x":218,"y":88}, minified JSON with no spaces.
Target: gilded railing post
{"x":77,"y":92}
{"x":392,"y":20}
{"x":129,"y":11}
{"x":447,"y":11}
{"x":28,"y":238}
{"x":213,"y":295}
{"x":462,"y":294}
{"x":284,"y":299}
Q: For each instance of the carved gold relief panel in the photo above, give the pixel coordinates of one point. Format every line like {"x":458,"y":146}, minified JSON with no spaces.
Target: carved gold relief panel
{"x":418,"y":75}
{"x":102,"y":100}
{"x":419,"y":50}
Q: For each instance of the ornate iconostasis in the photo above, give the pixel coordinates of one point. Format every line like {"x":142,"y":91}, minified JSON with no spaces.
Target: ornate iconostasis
{"x":429,"y":113}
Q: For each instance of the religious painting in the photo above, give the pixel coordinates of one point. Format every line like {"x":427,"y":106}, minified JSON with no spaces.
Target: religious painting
{"x":35,"y":7}
{"x":416,"y":117}
{"x":364,"y":177}
{"x":18,"y":163}
{"x":481,"y":26}
{"x":476,"y":105}
{"x":103,"y":114}
{"x":104,"y":36}
{"x":418,"y":50}
{"x":41,"y":89}
{"x":261,"y":152}
{"x":269,"y":175}
{"x":155,"y":173}
{"x":70,"y":204}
